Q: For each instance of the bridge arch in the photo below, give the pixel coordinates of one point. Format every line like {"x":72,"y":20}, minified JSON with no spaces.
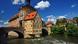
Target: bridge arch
{"x":44,"y":32}
{"x":16,"y":34}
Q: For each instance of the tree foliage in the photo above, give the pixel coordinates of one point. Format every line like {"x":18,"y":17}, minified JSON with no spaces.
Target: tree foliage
{"x":61,"y":21}
{"x":75,"y":20}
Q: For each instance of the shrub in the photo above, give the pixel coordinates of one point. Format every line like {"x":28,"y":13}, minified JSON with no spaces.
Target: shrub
{"x":73,"y":32}
{"x":72,"y":29}
{"x":57,"y":30}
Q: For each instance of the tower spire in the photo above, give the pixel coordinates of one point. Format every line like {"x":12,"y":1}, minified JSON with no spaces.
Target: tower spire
{"x":28,"y":1}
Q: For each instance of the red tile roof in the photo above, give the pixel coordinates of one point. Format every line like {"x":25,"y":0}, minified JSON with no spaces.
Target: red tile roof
{"x":49,"y":22}
{"x":30,"y":16}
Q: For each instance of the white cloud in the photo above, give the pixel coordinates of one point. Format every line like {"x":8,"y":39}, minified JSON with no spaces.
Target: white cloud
{"x":42,"y":4}
{"x":74,"y":5}
{"x":23,"y":1}
{"x":54,"y":19}
{"x":42,"y":19}
{"x":15,"y":2}
{"x":18,"y":2}
{"x":60,"y":17}
{"x":51,"y":18}
{"x":5,"y":23}
{"x":1,"y":21}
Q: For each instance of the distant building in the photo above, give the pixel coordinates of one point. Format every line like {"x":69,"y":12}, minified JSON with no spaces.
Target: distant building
{"x":70,"y":21}
{"x":49,"y":25}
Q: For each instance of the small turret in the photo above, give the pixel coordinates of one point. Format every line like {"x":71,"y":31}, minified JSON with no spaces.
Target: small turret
{"x":49,"y":25}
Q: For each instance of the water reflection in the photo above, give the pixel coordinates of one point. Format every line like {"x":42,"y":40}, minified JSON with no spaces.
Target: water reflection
{"x":46,"y":40}
{"x":54,"y":39}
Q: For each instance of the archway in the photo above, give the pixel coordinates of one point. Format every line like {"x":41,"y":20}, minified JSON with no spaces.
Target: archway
{"x":44,"y":32}
{"x":15,"y":34}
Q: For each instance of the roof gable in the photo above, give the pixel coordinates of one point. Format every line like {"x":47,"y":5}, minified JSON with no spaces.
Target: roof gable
{"x":30,"y":16}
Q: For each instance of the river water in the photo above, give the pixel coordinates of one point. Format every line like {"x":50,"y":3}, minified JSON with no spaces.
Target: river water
{"x":46,"y":40}
{"x":54,"y":39}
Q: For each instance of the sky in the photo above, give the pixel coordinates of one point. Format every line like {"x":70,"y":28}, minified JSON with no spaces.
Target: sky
{"x":46,"y":8}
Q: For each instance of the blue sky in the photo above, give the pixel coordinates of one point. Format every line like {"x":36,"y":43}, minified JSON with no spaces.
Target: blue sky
{"x":53,"y":8}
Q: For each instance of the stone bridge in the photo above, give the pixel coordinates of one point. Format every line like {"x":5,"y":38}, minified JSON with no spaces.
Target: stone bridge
{"x":7,"y":30}
{"x":19,"y":31}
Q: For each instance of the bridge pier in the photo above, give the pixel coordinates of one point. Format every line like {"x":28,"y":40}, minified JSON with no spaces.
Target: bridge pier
{"x":3,"y":37}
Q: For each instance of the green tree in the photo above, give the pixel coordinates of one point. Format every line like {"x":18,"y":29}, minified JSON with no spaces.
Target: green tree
{"x":75,"y":20}
{"x":61,"y":22}
{"x":72,"y":29}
